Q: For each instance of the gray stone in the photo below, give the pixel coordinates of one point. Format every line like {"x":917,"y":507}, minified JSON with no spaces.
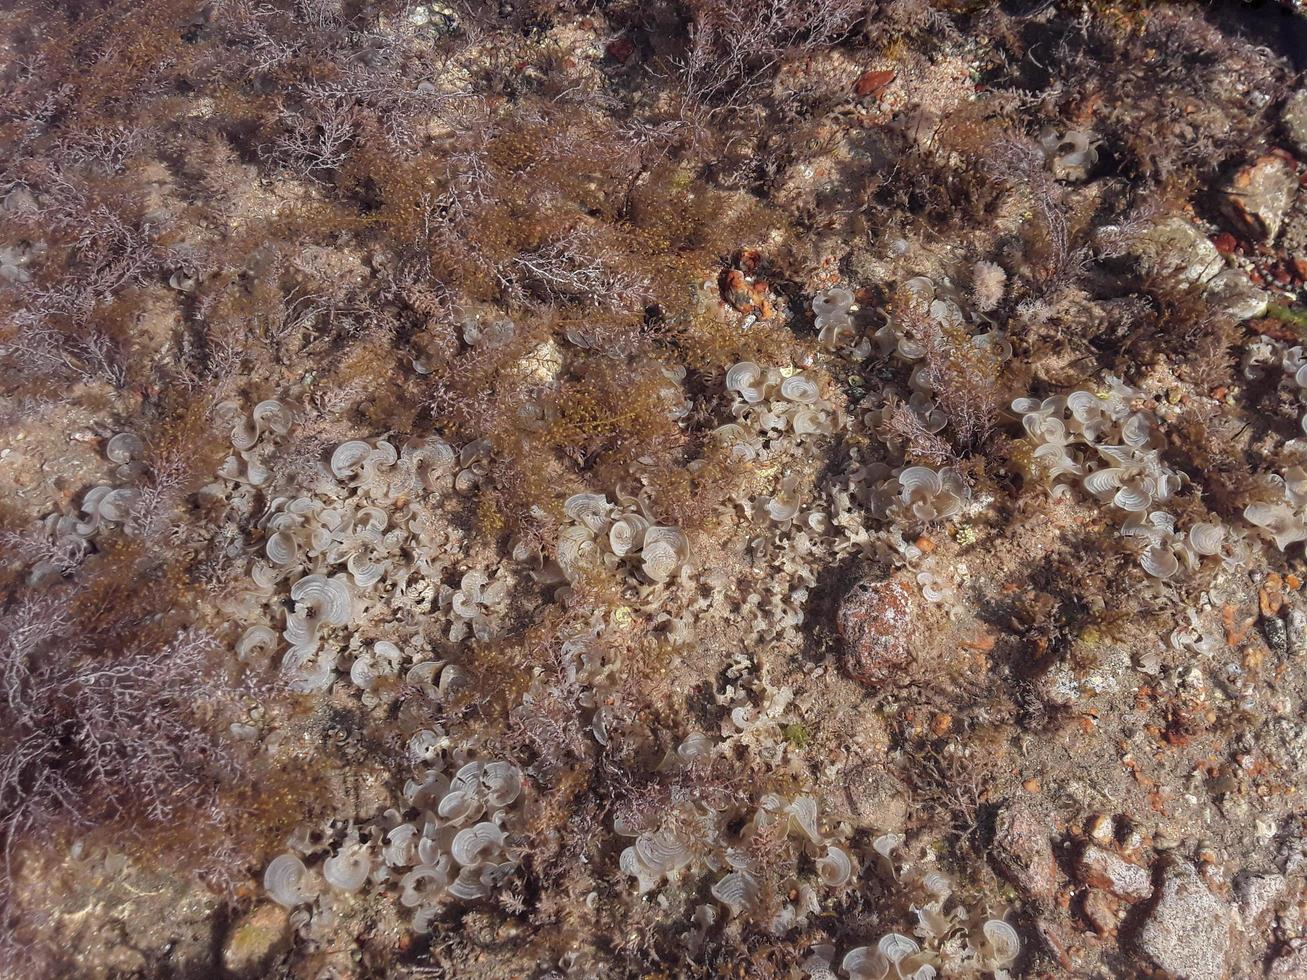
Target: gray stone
{"x":1174,"y":248}
{"x":1234,"y":293}
{"x":1255,"y":199}
{"x":1103,"y":869}
{"x":1293,"y":119}
{"x":1187,"y":933}
{"x":1297,"y":632}
{"x":1256,"y":895}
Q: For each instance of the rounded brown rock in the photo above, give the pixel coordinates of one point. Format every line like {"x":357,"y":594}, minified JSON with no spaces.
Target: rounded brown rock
{"x":878,"y":622}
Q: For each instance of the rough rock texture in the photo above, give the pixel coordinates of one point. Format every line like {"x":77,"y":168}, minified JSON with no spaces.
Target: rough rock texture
{"x":1256,"y":895}
{"x":1174,"y":247}
{"x":1235,"y":293}
{"x":1290,"y":965}
{"x":875,"y":798}
{"x":877,"y":621}
{"x":1187,"y":933}
{"x":254,"y":940}
{"x":1113,"y":873}
{"x":1256,"y":198}
{"x":1100,"y":911}
{"x":1022,"y":852}
{"x":1294,"y":121}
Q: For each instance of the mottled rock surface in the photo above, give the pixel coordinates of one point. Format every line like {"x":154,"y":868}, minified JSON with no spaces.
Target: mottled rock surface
{"x":1256,"y":198}
{"x":1112,"y":873}
{"x":254,"y":940}
{"x":1293,"y":119}
{"x":878,"y":622}
{"x":1187,"y":933}
{"x":1022,"y":851}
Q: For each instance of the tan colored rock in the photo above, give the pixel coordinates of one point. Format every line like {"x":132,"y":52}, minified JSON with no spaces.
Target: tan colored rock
{"x":1255,"y":200}
{"x":1023,"y":853}
{"x":1100,"y":911}
{"x":255,"y":939}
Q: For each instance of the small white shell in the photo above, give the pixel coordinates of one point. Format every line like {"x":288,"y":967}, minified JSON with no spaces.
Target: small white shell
{"x":746,"y":379}
{"x":256,"y":639}
{"x":800,"y":388}
{"x":1102,"y":483}
{"x":590,"y":509}
{"x":896,"y":947}
{"x":1159,"y":561}
{"x":349,"y":458}
{"x":281,"y":548}
{"x":272,"y":416}
{"x":423,"y":884}
{"x":460,"y":807}
{"x":123,"y":448}
{"x":469,"y":885}
{"x":424,"y":746}
{"x":288,"y":881}
{"x":474,"y":845}
{"x":836,"y":868}
{"x":865,"y":963}
{"x":938,"y":884}
{"x":1003,"y":941}
{"x":348,"y":870}
{"x":658,"y":561}
{"x":329,"y":598}
{"x":502,"y":782}
{"x":738,"y":891}
{"x":1136,"y":500}
{"x":116,"y":505}
{"x":1207,"y":539}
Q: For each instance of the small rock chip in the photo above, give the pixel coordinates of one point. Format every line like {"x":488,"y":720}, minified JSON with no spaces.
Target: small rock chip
{"x":1100,"y":911}
{"x":1294,"y":120}
{"x":1187,"y":933}
{"x":1112,"y":873}
{"x":1255,"y":200}
{"x":1296,"y":629}
{"x":873,"y":797}
{"x":1276,"y":633}
{"x":1234,"y":293}
{"x":873,"y":82}
{"x":1256,"y":895}
{"x":1290,"y":964}
{"x":254,"y":940}
{"x":1022,"y":852}
{"x":878,"y":623}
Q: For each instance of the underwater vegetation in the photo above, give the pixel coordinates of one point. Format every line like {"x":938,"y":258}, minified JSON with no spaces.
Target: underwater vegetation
{"x":771,"y":488}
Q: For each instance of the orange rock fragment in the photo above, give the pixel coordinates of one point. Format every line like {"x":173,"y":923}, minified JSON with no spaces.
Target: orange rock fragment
{"x":1235,"y":631}
{"x":982,"y":643}
{"x":873,"y":82}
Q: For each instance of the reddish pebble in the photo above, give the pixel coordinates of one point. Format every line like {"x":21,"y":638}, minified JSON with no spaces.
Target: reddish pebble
{"x":878,"y":623}
{"x":620,"y":49}
{"x":873,"y":82}
{"x":1225,"y":242}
